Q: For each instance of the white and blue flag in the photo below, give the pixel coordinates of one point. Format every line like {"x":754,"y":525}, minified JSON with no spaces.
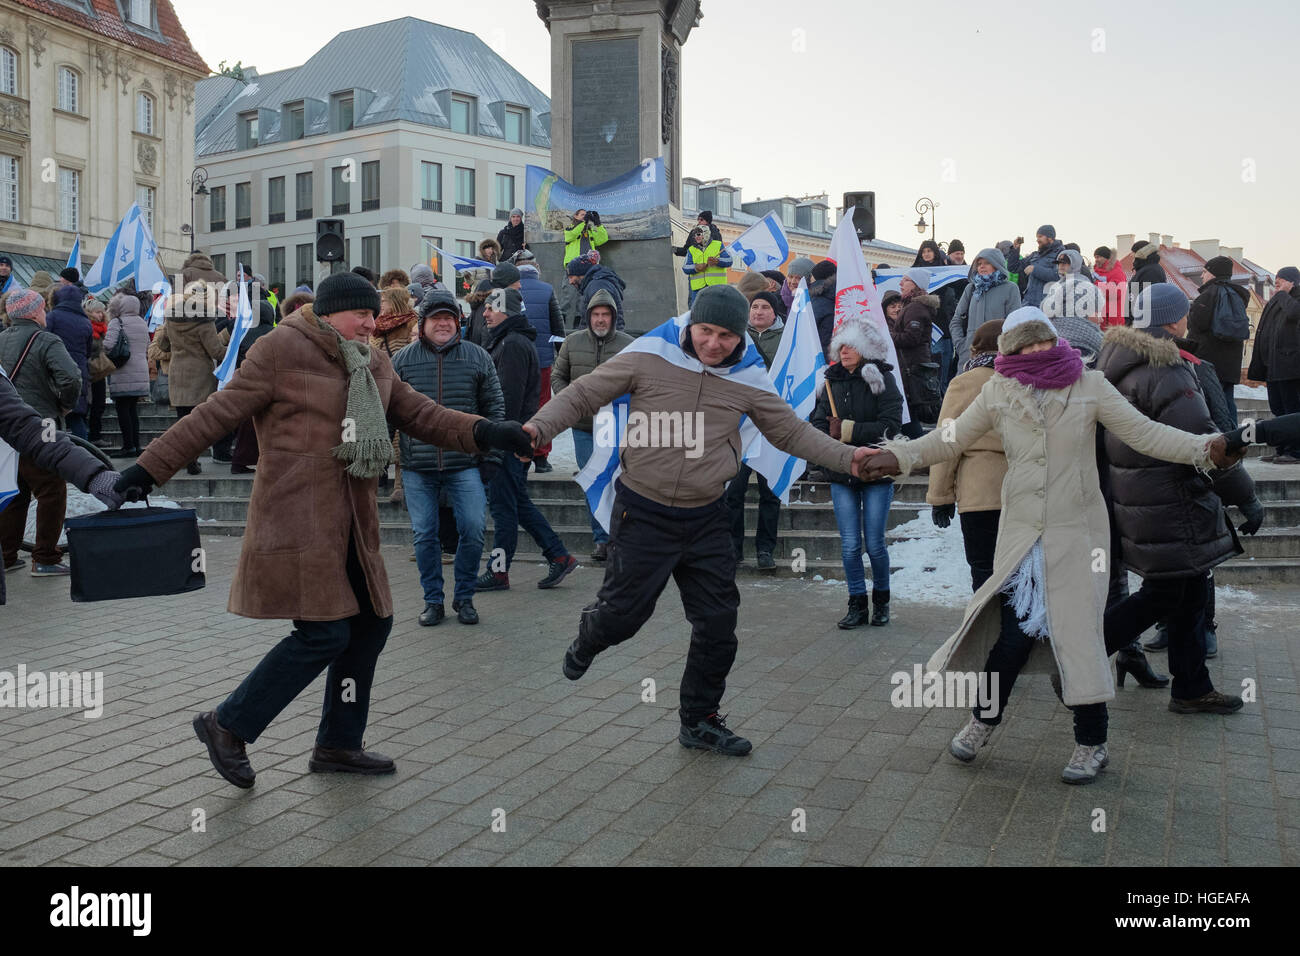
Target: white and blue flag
{"x":74,"y":257}
{"x":463,"y":263}
{"x":797,"y":371}
{"x":131,"y":253}
{"x":10,"y":285}
{"x":610,"y":424}
{"x":761,"y":246}
{"x":940,"y":276}
{"x":8,"y":464}
{"x":243,"y":322}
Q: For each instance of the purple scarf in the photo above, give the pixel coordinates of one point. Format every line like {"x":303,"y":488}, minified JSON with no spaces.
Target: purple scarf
{"x":1058,"y":367}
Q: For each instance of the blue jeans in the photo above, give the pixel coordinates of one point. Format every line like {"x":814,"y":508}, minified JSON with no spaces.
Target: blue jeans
{"x":76,"y":424}
{"x":861,"y":514}
{"x":468,"y":500}
{"x":583,"y":444}
{"x":942,"y":351}
{"x":1230,"y":396}
{"x":512,"y":509}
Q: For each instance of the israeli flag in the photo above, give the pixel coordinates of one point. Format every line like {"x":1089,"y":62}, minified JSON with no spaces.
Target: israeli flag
{"x":8,"y":463}
{"x":797,"y":371}
{"x":243,"y":322}
{"x":940,"y":276}
{"x":610,"y":424}
{"x":11,"y":284}
{"x":131,"y":253}
{"x":761,"y":246}
{"x":463,"y":263}
{"x":74,"y":257}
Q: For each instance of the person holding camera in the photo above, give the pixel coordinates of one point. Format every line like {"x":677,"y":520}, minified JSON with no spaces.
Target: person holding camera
{"x":586,"y":233}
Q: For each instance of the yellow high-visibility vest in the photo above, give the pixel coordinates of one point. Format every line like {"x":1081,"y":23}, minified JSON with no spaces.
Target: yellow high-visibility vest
{"x":707,"y":275}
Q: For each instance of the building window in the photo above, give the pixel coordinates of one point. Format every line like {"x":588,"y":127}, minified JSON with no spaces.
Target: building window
{"x":466,"y":248}
{"x":8,"y":71}
{"x":370,"y":185}
{"x":516,"y":124}
{"x":462,"y":108}
{"x":248,"y":131}
{"x":217,"y":209}
{"x":787,"y":215}
{"x":339,"y":190}
{"x":275,"y":268}
{"x":302,"y":192}
{"x":243,"y":205}
{"x":343,"y":113}
{"x":69,"y":90}
{"x":304,"y":256}
{"x":818,"y":219}
{"x":144,"y":113}
{"x":275,"y":199}
{"x":245,"y":259}
{"x":219,"y":263}
{"x":724,"y":203}
{"x":146,"y":198}
{"x":140,"y":12}
{"x":464,"y":191}
{"x":69,"y":199}
{"x":431,"y":186}
{"x":9,"y":188}
{"x":370,"y":253}
{"x":505,"y":195}
{"x":297,"y":122}
{"x":431,"y":246}
{"x":690,"y":196}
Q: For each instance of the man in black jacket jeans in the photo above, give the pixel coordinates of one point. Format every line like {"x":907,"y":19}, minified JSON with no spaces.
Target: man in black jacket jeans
{"x":459,"y":375}
{"x":510,"y":343}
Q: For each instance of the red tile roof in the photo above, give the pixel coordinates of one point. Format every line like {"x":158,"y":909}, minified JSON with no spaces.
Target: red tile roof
{"x":175,"y":45}
{"x":1174,"y":259}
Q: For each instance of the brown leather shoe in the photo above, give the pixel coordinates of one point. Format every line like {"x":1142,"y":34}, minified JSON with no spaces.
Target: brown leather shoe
{"x":225,"y":750}
{"x":1211,"y":703}
{"x":327,"y":760}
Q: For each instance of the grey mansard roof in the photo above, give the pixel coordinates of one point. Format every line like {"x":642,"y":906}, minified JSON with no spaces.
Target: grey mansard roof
{"x":407,"y":68}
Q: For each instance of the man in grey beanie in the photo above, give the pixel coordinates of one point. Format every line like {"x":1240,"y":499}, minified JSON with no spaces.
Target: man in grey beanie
{"x":1039,"y":268}
{"x":692,"y":379}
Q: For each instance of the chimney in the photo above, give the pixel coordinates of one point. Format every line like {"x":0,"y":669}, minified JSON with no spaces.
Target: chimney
{"x":1233,"y":252}
{"x":1207,"y":249}
{"x":1153,"y":238}
{"x":1166,"y":240}
{"x":1123,"y":244}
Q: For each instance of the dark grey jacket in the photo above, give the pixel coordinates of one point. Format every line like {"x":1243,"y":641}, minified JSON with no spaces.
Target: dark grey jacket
{"x":49,"y":380}
{"x":459,"y":375}
{"x":21,"y":426}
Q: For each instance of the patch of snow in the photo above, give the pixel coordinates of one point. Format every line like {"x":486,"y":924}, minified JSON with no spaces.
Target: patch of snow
{"x":563,"y":458}
{"x":930,"y":566}
{"x":1250,"y":391}
{"x":1227,"y":595}
{"x":81,"y":503}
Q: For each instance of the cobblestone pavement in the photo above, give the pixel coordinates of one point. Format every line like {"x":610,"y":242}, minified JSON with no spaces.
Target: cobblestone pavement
{"x":485,"y":728}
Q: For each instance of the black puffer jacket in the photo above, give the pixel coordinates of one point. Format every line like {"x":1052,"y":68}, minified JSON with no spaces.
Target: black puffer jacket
{"x":1171,"y":523}
{"x":68,"y":321}
{"x":1276,"y":357}
{"x":1233,"y":485}
{"x":822,"y":294}
{"x":1151,"y":272}
{"x":1225,"y":355}
{"x":460,"y":376}
{"x":875,"y":417}
{"x":511,"y":346}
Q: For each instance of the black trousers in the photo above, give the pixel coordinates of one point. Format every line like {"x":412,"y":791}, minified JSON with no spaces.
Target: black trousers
{"x":1180,"y":602}
{"x":979,"y":533}
{"x":98,"y":401}
{"x":649,"y":543}
{"x":128,"y":419}
{"x":769,"y":512}
{"x":1283,"y":399}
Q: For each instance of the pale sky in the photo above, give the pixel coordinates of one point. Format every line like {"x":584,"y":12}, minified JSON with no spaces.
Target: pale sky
{"x":1182,"y":122}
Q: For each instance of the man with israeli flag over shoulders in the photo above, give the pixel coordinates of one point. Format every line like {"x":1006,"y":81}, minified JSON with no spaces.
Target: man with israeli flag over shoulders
{"x":684,"y":390}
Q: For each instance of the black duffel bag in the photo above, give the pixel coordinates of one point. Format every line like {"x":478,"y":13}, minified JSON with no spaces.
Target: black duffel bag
{"x":135,"y":552}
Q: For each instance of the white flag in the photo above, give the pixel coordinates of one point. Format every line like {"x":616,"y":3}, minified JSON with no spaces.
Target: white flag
{"x":762,"y":246}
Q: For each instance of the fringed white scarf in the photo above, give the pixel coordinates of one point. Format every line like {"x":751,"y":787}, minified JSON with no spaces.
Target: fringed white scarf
{"x":1027,"y":588}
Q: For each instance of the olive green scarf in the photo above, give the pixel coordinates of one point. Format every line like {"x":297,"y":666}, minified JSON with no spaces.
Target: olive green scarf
{"x":367,"y":448}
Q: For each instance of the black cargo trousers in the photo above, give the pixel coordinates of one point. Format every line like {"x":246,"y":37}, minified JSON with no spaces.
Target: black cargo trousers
{"x":648,"y":543}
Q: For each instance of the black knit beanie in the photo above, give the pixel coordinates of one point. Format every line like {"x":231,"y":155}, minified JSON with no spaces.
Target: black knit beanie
{"x":344,"y":291}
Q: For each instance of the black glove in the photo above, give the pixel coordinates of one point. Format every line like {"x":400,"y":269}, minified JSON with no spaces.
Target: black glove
{"x":1254,"y":512}
{"x":1235,"y":440}
{"x":507,"y":436}
{"x":593,"y":217}
{"x":487,"y":470}
{"x":134,"y":484}
{"x":942,"y":515}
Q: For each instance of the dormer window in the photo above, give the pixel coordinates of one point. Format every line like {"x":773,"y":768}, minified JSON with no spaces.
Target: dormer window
{"x":462,"y":110}
{"x":344,"y":112}
{"x":818,"y":219}
{"x":516,"y":124}
{"x":724,"y":203}
{"x":140,"y":12}
{"x":297,"y":122}
{"x":248,"y":129}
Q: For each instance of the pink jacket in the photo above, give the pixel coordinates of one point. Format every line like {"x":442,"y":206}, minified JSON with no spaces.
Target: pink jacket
{"x":1112,"y":284}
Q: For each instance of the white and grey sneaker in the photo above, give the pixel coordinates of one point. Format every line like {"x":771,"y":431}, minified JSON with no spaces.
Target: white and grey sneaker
{"x":970,"y":739}
{"x":1086,"y":763}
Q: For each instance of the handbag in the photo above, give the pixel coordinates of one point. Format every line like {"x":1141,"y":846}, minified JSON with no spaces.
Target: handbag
{"x":100,"y":365}
{"x":120,"y":353}
{"x":135,"y":552}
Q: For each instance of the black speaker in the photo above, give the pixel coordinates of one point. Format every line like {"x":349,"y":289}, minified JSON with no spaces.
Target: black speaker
{"x":862,"y":206}
{"x":329,"y":240}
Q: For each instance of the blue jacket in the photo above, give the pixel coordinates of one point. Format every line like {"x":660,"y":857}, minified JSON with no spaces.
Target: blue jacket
{"x":602,"y":277}
{"x":68,"y":321}
{"x":1044,"y":273}
{"x":543,"y":311}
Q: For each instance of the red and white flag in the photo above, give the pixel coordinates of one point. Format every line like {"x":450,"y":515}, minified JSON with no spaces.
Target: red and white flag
{"x":856,"y":298}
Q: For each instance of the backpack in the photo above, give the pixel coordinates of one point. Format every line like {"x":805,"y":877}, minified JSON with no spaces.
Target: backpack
{"x":1230,"y":322}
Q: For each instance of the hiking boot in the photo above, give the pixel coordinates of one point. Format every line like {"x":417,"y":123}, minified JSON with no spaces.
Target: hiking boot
{"x":328,"y":760}
{"x":50,"y":570}
{"x":577,"y":659}
{"x":880,"y":608}
{"x":492,"y":581}
{"x":600,"y":552}
{"x":1085,"y":764}
{"x":465,"y":612}
{"x":970,"y":739}
{"x":432,"y":616}
{"x":1211,"y":703}
{"x":559,"y":570}
{"x":859,"y":610}
{"x":766,"y":562}
{"x":712,"y":733}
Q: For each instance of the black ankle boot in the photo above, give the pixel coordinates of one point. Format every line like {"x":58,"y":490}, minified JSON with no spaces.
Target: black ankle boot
{"x":880,"y":608}
{"x":859,"y":611}
{"x":1132,"y":661}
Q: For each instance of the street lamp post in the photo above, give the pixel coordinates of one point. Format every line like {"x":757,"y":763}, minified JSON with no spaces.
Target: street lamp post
{"x":198,"y":183}
{"x":923,"y":205}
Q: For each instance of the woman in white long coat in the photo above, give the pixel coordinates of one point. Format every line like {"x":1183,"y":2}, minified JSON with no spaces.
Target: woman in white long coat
{"x":1042,"y":609}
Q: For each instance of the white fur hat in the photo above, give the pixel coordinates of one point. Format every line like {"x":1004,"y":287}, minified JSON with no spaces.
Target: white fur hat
{"x":1025,"y":326}
{"x":869,"y":342}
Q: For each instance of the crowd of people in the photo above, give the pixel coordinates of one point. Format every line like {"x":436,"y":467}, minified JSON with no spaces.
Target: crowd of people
{"x":1020,"y":364}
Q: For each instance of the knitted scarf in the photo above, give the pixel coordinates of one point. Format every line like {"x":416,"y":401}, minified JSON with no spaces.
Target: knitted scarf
{"x":1058,"y":367}
{"x":370,"y":449}
{"x":393,"y":320}
{"x":982,"y":360}
{"x":981,"y":283}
